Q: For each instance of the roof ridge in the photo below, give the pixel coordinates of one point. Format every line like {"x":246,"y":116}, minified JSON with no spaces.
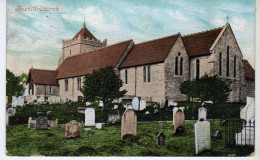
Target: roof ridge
{"x":203,"y":31}
{"x":43,"y":69}
{"x":159,"y":38}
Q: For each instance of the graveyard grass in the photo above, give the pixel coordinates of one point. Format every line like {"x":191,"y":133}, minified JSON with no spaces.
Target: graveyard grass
{"x":22,"y":141}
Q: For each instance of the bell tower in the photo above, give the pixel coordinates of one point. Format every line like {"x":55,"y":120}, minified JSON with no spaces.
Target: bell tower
{"x":84,"y":41}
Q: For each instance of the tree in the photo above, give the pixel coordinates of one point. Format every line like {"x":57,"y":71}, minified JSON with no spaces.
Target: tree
{"x":102,"y":84}
{"x":14,"y":86}
{"x":207,"y":89}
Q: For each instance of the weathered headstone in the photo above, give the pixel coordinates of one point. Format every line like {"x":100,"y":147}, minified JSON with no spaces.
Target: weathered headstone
{"x":202,"y":114}
{"x":114,"y":117}
{"x":156,"y":111}
{"x":174,"y":110}
{"x":42,"y":123}
{"x":88,"y":104}
{"x":202,"y":136}
{"x":72,"y":129}
{"x":49,"y":113}
{"x":128,"y":123}
{"x":14,"y":101}
{"x":115,"y":106}
{"x":160,"y":139}
{"x":99,"y":125}
{"x":20,"y":101}
{"x":135,"y":103}
{"x":101,"y":104}
{"x":179,"y":119}
{"x":89,"y":117}
{"x":142,"y":104}
{"x":147,"y":112}
{"x":218,"y":135}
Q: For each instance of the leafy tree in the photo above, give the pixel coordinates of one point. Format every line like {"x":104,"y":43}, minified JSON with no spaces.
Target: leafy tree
{"x":207,"y":89}
{"x":102,"y":84}
{"x":14,"y":86}
{"x":23,"y":78}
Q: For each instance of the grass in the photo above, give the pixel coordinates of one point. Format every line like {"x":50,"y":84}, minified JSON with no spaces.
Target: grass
{"x":22,"y":141}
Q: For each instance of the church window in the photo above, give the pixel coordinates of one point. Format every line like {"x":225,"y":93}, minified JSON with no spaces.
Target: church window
{"x":50,"y":90}
{"x":126,"y":76}
{"x":181,"y":66}
{"x":235,"y":66}
{"x":197,"y":69}
{"x":227,"y":61}
{"x":144,"y":74}
{"x":31,"y":88}
{"x":66,"y":84}
{"x":149,"y":73}
{"x":176,"y":66}
{"x":220,"y":63}
{"x":79,"y":83}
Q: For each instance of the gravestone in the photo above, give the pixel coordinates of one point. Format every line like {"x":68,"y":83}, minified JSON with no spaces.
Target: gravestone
{"x":90,"y":117}
{"x":88,"y":104}
{"x":170,"y":103}
{"x":88,"y":129}
{"x":20,"y":101}
{"x":101,"y":104}
{"x":128,"y":123}
{"x":14,"y":101}
{"x":42,"y":123}
{"x":202,"y":136}
{"x":135,"y":103}
{"x":115,"y":106}
{"x":114,"y":117}
{"x":98,"y":125}
{"x":202,"y":114}
{"x":156,"y":111}
{"x":142,"y":104}
{"x":179,"y":122}
{"x":40,"y":114}
{"x":174,"y":110}
{"x":49,"y":113}
{"x":72,"y":129}
{"x":218,"y":135}
{"x":147,"y":112}
{"x":160,"y":139}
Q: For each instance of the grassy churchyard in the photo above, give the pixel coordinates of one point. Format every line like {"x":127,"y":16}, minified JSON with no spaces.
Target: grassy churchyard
{"x":24,"y":141}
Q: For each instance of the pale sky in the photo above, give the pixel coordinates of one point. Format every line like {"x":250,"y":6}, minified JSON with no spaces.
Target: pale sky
{"x":34,"y":38}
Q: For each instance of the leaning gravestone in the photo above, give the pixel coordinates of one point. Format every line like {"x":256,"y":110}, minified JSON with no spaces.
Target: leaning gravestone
{"x":42,"y":123}
{"x":72,"y":129}
{"x":179,"y":122}
{"x":160,"y":139}
{"x":202,"y":136}
{"x":128,"y":123}
{"x":90,"y":117}
{"x":135,"y":103}
{"x":175,"y":109}
{"x":99,"y":125}
{"x":202,"y":113}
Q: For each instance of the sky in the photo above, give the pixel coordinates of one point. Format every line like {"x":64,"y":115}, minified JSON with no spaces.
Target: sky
{"x":34,"y":38}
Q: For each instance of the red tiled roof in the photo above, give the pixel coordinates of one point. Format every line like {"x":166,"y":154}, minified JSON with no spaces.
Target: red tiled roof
{"x":84,"y":32}
{"x":40,"y":76}
{"x":150,"y":52}
{"x":199,"y":43}
{"x":85,"y":63}
{"x":249,"y":70}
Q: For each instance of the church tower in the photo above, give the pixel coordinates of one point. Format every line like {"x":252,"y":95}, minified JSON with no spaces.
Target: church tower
{"x":82,"y":42}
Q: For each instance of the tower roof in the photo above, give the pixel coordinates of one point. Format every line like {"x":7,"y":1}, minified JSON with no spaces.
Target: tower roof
{"x":84,"y":32}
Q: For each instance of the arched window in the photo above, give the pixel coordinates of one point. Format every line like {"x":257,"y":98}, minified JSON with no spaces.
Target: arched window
{"x":235,"y":66}
{"x":149,"y":73}
{"x":181,"y":66}
{"x":176,"y":66}
{"x":227,"y":61}
{"x":126,"y":76}
{"x":197,"y":69}
{"x":220,"y":63}
{"x":66,"y":84}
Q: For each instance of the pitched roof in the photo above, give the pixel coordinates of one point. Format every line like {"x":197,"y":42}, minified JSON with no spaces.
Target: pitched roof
{"x":198,"y":44}
{"x":84,"y":32}
{"x":150,"y":52}
{"x":82,"y":64}
{"x":40,"y":76}
{"x":249,"y":70}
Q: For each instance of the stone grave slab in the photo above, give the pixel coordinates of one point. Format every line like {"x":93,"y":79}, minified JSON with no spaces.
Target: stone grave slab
{"x":72,"y":129}
{"x":98,"y":125}
{"x":202,"y":114}
{"x":142,"y":104}
{"x":174,"y":110}
{"x":179,"y":119}
{"x":42,"y":123}
{"x":128,"y":123}
{"x":160,"y":139}
{"x":90,"y":117}
{"x":136,"y":103}
{"x":202,"y":136}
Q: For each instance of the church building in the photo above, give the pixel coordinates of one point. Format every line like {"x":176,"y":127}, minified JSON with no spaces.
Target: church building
{"x":151,"y":70}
